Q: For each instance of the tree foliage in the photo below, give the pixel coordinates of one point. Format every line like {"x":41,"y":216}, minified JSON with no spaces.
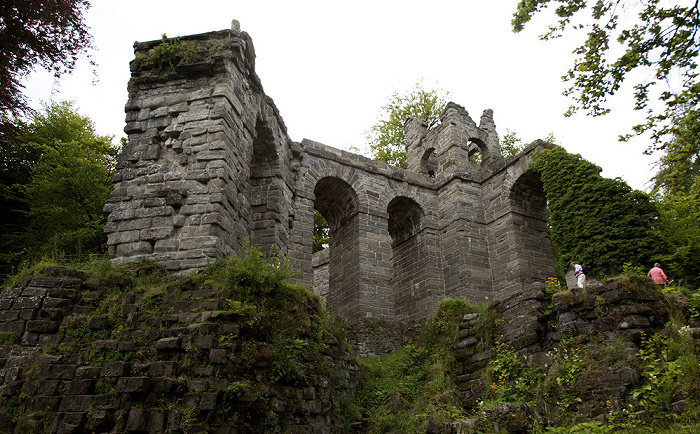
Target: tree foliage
{"x":677,"y":190}
{"x":50,"y":34}
{"x":321,"y":232}
{"x":512,"y":144}
{"x":648,"y":37}
{"x":680,"y":229}
{"x":679,"y":167}
{"x":56,"y":175}
{"x":596,"y":221}
{"x":386,"y":138}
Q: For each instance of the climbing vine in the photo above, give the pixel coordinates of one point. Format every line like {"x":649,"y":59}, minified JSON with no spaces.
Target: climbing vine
{"x":600,"y":222}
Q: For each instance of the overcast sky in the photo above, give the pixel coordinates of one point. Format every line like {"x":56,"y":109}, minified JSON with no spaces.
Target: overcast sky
{"x":330,"y":66}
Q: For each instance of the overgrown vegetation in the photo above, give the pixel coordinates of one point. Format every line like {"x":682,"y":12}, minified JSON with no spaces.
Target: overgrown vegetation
{"x":413,"y":387}
{"x":260,"y":297}
{"x":599,"y":222}
{"x":168,"y":54}
{"x":269,"y":330}
{"x":282,"y":336}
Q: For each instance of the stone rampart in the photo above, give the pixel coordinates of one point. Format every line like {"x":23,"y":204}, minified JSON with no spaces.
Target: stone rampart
{"x":209,"y":165}
{"x":612,"y":313}
{"x":81,"y":357}
{"x":77,"y":356}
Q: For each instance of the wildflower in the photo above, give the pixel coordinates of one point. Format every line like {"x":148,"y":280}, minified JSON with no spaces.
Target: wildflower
{"x":685,"y":331}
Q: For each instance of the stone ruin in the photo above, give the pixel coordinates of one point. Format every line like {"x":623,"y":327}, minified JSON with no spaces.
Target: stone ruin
{"x":209,"y":166}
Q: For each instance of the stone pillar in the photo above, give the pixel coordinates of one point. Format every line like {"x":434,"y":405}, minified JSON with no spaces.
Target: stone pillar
{"x":465,"y":250}
{"x":520,"y":246}
{"x":416,"y":130}
{"x":452,"y":141}
{"x":376,"y":296}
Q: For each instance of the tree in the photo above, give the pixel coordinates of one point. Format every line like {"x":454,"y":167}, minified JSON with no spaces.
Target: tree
{"x":386,"y":138}
{"x":57,"y":173}
{"x":677,"y":190}
{"x":680,"y":228}
{"x":622,"y":37}
{"x":679,"y":167}
{"x":321,"y":233}
{"x":51,"y":34}
{"x":599,"y":222}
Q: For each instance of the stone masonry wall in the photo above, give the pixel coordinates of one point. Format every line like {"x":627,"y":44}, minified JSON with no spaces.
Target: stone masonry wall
{"x":81,"y":357}
{"x":209,"y":166}
{"x":613,"y":311}
{"x":77,"y":356}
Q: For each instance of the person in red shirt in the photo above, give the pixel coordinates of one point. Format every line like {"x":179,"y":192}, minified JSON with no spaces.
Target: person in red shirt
{"x":657,"y":275}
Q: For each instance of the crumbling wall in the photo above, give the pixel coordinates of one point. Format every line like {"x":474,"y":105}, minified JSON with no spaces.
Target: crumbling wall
{"x":610,"y":312}
{"x":83,"y":357}
{"x":209,"y":166}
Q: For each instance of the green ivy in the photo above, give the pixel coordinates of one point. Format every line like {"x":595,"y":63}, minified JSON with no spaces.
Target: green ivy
{"x":599,"y":222}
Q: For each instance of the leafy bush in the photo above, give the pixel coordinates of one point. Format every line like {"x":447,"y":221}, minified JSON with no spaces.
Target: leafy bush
{"x":253,"y":276}
{"x":269,"y":308}
{"x":169,"y":54}
{"x":670,"y":369}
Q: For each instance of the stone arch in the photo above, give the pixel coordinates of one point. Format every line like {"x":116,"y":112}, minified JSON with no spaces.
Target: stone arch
{"x":477,"y":146}
{"x":415,"y":276}
{"x":526,"y":242}
{"x":527,"y":195}
{"x":270,"y":196}
{"x":429,"y":162}
{"x":338,"y":202}
{"x":405,"y":219}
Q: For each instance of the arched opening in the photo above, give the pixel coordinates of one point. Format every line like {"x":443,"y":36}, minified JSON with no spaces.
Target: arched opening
{"x":405,"y":217}
{"x":414,"y":274}
{"x":337,"y":202}
{"x":269,"y":195}
{"x":476,"y":151}
{"x":429,"y":162}
{"x":527,"y":241}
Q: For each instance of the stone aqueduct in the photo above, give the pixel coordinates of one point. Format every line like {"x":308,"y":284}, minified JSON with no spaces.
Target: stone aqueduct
{"x":209,"y":164}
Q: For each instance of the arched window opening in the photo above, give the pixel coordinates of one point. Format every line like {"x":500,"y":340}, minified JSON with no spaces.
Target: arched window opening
{"x":475,"y":151}
{"x":337,"y":267}
{"x":414,"y":275}
{"x":429,"y":162}
{"x":405,"y":218}
{"x":336,"y":201}
{"x":321,"y":232}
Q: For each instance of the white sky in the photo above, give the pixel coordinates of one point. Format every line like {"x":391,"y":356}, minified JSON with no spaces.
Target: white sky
{"x":330,"y":66}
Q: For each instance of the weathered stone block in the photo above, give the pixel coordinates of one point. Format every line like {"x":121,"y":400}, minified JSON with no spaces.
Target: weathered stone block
{"x":217,"y":356}
{"x":43,"y":326}
{"x":204,"y":342}
{"x":82,"y":386}
{"x":76,"y":403}
{"x":133,"y":249}
{"x":136,"y":420}
{"x":169,"y":344}
{"x":161,"y":369}
{"x":57,"y":371}
{"x":115,"y":369}
{"x":168,"y":385}
{"x":133,"y":385}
